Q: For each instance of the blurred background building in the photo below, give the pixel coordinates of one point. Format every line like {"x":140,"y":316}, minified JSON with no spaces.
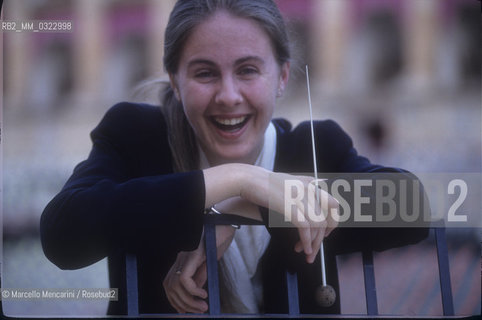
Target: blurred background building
{"x":402,"y":77}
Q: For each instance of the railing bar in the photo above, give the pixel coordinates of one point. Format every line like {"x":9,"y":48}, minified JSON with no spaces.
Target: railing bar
{"x":293,"y":302}
{"x":370,"y":287}
{"x":227,"y":219}
{"x":444,"y":271}
{"x":212,"y":269}
{"x":131,"y":283}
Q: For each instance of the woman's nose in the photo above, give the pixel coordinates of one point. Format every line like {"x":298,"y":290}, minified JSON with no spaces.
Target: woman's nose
{"x":228,"y":93}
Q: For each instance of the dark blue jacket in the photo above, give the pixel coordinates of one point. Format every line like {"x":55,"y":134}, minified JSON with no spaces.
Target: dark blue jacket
{"x":126,"y":198}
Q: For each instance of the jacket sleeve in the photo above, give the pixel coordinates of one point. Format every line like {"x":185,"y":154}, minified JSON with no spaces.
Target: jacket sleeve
{"x":103,"y":206}
{"x":338,"y":159}
{"x":380,"y":237}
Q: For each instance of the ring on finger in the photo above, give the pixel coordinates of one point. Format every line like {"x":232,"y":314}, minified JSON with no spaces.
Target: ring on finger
{"x":179,"y":270}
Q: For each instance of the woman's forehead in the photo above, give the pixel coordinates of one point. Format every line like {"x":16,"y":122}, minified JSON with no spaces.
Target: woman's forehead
{"x":225,"y":36}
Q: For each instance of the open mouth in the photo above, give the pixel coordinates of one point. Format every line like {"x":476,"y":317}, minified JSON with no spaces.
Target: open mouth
{"x":230,"y":124}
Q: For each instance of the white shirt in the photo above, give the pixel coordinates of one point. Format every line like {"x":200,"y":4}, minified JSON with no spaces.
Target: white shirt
{"x":241,"y":288}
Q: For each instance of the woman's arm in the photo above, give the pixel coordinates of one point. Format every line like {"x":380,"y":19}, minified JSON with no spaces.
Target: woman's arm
{"x":267,"y":189}
{"x":353,"y":166}
{"x":337,"y":157}
{"x":124,"y":195}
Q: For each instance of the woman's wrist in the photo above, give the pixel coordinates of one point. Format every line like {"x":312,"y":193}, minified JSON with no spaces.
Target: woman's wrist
{"x":236,"y":179}
{"x":224,"y":181}
{"x":254,"y":185}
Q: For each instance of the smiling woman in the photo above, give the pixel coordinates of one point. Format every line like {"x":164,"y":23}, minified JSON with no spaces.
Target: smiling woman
{"x":228,"y":89}
{"x":153,"y":171}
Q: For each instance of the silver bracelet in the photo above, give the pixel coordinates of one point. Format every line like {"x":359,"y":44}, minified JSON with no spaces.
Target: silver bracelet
{"x":213,"y":210}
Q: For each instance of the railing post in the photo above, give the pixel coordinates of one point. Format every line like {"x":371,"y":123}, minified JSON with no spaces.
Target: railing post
{"x":131,"y":285}
{"x":444,"y":271}
{"x":370,"y":287}
{"x":212,"y":269}
{"x":293,"y":302}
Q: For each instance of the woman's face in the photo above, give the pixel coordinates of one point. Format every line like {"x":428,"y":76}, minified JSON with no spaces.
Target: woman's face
{"x":228,"y":80}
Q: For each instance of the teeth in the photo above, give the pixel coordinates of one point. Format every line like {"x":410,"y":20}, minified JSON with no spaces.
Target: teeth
{"x":230,"y":122}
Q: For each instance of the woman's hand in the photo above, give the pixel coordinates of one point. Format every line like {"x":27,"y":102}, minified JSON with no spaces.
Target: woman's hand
{"x":184,"y":282}
{"x":267,"y":189}
{"x":313,"y":216}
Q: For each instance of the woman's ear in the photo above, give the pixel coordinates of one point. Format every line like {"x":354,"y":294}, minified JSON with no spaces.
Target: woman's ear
{"x":172,"y":80}
{"x":284,"y":77}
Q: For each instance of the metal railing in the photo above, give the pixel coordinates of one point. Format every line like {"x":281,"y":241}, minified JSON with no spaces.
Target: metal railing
{"x":211,"y":220}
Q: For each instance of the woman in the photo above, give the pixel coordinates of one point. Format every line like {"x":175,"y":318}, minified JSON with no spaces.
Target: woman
{"x":153,"y":171}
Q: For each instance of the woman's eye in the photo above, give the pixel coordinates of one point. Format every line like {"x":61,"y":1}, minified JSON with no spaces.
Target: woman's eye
{"x":248,"y":71}
{"x":204,"y":74}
